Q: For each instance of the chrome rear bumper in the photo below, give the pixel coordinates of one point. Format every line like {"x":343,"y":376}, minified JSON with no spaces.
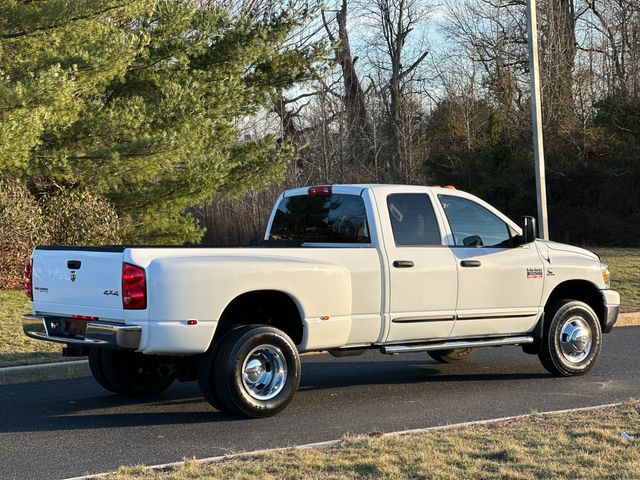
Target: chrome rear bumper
{"x":97,"y":334}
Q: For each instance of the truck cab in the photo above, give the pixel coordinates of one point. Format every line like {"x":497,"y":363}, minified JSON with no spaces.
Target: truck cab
{"x":342,"y":268}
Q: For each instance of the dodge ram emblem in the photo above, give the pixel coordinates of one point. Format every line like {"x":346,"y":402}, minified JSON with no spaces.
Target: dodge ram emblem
{"x":73,"y":276}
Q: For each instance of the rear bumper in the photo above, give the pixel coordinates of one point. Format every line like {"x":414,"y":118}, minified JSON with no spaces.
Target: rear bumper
{"x":97,"y":334}
{"x":611,"y":302}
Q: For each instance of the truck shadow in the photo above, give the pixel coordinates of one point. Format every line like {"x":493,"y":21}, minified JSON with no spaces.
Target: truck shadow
{"x":331,"y":374}
{"x":81,"y":404}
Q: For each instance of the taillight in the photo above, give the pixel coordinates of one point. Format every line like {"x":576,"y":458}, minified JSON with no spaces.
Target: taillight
{"x":28,"y":282}
{"x":134,"y":287}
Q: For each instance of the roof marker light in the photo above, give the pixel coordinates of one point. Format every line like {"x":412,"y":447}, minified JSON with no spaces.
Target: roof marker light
{"x":321,"y":190}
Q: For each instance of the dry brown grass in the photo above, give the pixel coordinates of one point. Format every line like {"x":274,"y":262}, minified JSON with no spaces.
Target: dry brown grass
{"x":15,"y":347}
{"x":577,"y":445}
{"x":624,"y":264}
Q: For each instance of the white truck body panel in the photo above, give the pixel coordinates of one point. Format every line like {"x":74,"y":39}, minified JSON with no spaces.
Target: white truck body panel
{"x":344,"y":285}
{"x":61,"y":290}
{"x":347,"y":295}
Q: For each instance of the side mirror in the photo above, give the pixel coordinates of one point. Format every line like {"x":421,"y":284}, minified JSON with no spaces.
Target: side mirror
{"x":529,"y":229}
{"x":472,"y":241}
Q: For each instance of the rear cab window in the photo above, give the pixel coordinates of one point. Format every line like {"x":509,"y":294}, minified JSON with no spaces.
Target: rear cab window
{"x":413,"y":220}
{"x":335,"y":218}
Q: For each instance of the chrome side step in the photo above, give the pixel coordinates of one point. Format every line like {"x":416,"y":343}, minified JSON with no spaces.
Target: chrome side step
{"x":425,"y":347}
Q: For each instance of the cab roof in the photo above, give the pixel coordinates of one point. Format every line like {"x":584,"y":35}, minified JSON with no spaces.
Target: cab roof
{"x":357,"y":188}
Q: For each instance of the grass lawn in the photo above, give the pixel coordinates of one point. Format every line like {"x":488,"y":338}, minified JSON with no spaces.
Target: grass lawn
{"x":15,"y":347}
{"x":624,"y":264}
{"x":577,"y":445}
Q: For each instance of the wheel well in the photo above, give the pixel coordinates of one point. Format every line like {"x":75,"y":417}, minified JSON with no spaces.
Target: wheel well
{"x":266,"y":307}
{"x":581,"y":290}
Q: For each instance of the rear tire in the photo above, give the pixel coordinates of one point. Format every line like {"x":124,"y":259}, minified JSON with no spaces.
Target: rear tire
{"x":453,"y":355}
{"x":131,"y":373}
{"x":572,"y":339}
{"x":256,"y":371}
{"x":97,"y":369}
{"x":206,"y":369}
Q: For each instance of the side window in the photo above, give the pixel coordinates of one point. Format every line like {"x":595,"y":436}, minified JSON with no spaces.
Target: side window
{"x":473,"y":225}
{"x":413,"y":220}
{"x":334,"y":218}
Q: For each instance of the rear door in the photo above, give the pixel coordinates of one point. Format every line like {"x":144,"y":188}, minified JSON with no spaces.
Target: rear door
{"x":499,"y":285}
{"x":423,"y":277}
{"x":83,"y":281}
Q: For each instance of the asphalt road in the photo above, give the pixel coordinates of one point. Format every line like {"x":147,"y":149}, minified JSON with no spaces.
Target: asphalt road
{"x":67,"y":428}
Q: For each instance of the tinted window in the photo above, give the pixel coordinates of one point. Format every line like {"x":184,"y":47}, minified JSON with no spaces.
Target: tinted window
{"x":335,"y":218}
{"x":288,"y":224}
{"x":413,"y":220}
{"x":473,"y":225}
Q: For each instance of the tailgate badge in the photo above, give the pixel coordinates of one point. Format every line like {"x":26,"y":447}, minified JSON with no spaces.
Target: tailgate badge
{"x":115,"y":293}
{"x":73,"y":276}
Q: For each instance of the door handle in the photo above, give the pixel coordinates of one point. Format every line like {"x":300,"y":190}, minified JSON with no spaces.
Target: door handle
{"x":403,"y":264}
{"x":470,"y":263}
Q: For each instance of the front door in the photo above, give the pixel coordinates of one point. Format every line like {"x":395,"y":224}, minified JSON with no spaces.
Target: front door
{"x":423,"y":278}
{"x":499,"y":286}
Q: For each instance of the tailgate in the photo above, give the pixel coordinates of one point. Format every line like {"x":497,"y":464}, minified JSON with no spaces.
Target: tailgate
{"x":84,"y":281}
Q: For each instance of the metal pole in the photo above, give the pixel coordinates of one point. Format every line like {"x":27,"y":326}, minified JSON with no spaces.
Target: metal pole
{"x":536,"y":114}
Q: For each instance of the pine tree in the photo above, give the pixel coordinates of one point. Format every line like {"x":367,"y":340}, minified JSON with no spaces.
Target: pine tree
{"x":141,"y":101}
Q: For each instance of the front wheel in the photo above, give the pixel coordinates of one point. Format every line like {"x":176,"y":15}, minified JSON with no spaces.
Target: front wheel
{"x":256,"y":371}
{"x":572,"y":339}
{"x":452,"y":355}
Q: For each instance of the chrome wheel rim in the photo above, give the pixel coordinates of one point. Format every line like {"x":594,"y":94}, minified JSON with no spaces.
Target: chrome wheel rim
{"x":264,"y":372}
{"x":575,"y":340}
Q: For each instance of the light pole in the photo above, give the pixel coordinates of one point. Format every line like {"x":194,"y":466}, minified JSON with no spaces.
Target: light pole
{"x":536,"y":114}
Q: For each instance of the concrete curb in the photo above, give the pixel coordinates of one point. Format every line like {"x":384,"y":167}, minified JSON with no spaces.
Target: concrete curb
{"x":329,"y":443}
{"x":47,"y":371}
{"x":631,"y":319}
{"x":69,"y":370}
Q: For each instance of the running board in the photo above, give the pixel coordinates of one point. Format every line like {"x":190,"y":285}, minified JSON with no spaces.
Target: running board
{"x":425,"y":347}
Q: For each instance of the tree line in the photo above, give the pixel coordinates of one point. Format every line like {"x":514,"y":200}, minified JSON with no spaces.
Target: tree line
{"x":186,"y":118}
{"x":141,"y":102}
{"x":400,"y":105}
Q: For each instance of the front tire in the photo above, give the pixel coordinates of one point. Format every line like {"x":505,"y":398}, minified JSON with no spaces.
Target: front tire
{"x":572,"y":339}
{"x":131,"y":373}
{"x":256,"y":371}
{"x":453,"y":355}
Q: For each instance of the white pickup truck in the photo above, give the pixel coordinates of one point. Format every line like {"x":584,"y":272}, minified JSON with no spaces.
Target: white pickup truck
{"x":343,"y":268}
